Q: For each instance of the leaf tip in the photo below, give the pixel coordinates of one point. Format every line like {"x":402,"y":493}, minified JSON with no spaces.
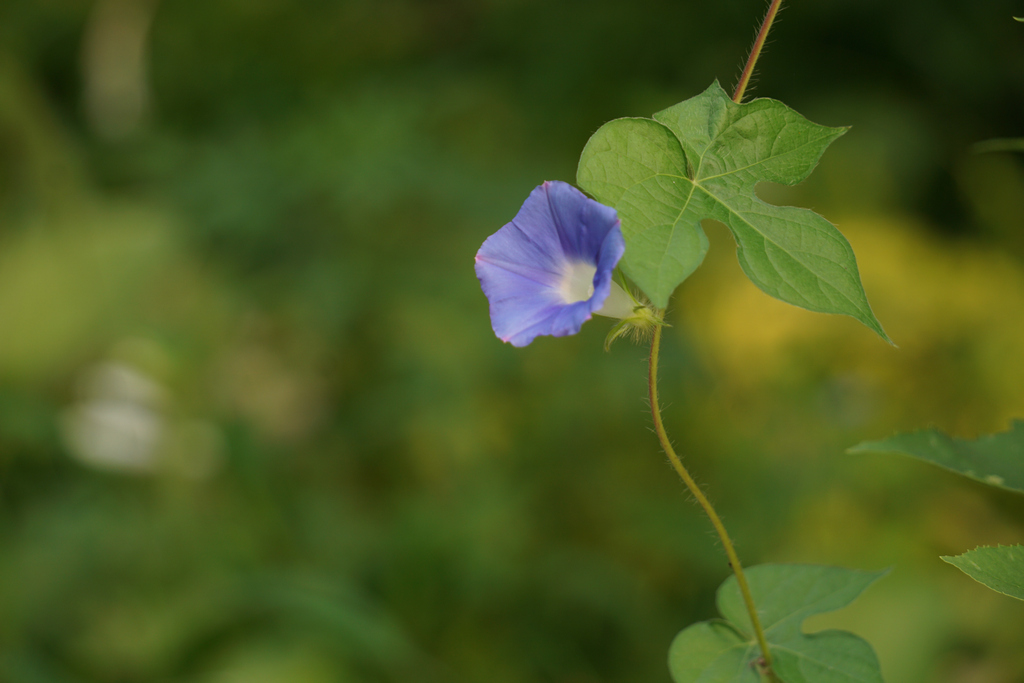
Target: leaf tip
{"x":872,"y":322}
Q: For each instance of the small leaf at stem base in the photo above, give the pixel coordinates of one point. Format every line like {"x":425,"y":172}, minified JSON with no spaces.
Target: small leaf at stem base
{"x":724,"y":651}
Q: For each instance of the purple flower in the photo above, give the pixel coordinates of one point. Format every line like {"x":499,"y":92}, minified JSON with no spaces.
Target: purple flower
{"x":550,"y":269}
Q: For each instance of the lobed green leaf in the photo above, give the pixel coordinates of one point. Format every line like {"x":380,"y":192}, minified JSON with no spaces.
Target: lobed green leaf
{"x":725,"y":651}
{"x":702,"y":159}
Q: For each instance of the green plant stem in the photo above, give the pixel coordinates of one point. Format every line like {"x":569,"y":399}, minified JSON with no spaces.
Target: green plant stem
{"x":755,"y":51}
{"x":659,"y":426}
{"x":684,"y":474}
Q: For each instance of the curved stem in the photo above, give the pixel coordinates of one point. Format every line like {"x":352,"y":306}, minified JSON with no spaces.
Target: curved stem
{"x":755,"y":51}
{"x":684,"y":474}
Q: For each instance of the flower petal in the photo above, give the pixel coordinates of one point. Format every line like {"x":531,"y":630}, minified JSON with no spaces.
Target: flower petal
{"x":581,"y":222}
{"x":522,"y":267}
{"x":561,"y":322}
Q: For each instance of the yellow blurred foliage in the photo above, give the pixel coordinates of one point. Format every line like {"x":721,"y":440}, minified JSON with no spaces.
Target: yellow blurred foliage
{"x":66,"y":284}
{"x":955,"y":310}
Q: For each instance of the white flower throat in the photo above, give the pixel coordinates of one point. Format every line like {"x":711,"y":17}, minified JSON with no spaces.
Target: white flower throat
{"x":577,"y":284}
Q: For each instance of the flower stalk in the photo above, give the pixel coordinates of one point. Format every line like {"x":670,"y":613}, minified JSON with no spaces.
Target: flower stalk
{"x":684,"y":474}
{"x":765,"y":662}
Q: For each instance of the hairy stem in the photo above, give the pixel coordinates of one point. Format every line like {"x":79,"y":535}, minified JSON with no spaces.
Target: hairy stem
{"x":755,"y":51}
{"x":684,"y":474}
{"x":659,"y":427}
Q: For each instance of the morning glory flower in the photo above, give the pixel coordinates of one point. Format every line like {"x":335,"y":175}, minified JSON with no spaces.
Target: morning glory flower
{"x":550,"y":269}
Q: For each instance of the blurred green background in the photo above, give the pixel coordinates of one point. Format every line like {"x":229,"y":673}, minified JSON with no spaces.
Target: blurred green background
{"x":254,"y":425}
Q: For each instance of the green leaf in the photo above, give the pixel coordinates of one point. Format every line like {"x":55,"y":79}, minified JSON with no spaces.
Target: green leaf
{"x":1020,"y":19}
{"x":996,"y":459}
{"x":1000,"y":568}
{"x":702,"y":159}
{"x":713,"y":652}
{"x":638,"y":167}
{"x":726,"y":651}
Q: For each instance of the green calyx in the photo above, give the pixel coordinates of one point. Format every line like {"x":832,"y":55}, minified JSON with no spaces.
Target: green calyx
{"x":640,"y":325}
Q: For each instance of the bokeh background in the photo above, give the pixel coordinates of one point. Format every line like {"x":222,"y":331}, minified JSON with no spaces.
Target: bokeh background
{"x":254,"y":426}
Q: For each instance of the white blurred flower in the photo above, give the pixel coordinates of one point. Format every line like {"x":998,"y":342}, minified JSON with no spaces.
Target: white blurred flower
{"x":118,"y":425}
{"x":121,"y":424}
